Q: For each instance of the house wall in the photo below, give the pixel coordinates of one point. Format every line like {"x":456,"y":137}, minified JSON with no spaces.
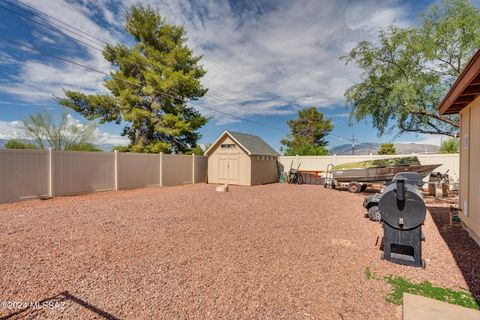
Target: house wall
{"x":469,"y":167}
{"x":214,"y":163}
{"x":264,"y":169}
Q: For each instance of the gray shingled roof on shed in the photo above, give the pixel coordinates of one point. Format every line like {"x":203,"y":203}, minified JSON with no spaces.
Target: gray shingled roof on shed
{"x":254,"y":144}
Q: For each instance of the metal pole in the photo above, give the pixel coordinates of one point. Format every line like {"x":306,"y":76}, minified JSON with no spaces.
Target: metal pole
{"x":353,"y":144}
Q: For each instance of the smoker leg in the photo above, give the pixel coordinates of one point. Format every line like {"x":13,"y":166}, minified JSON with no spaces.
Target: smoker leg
{"x":417,"y":247}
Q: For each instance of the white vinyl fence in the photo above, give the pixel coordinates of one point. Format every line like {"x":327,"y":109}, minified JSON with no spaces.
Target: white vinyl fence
{"x":28,"y":174}
{"x":449,"y":162}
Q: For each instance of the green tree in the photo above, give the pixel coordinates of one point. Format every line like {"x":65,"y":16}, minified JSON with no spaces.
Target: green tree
{"x":62,"y":134}
{"x":387,"y":148}
{"x":149,"y":87}
{"x":407,"y":71}
{"x":121,"y":148}
{"x":196,"y":150}
{"x":451,"y":145}
{"x":18,"y":144}
{"x":308,"y":133}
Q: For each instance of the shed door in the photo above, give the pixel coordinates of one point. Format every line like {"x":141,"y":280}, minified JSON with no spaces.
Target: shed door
{"x":228,"y":169}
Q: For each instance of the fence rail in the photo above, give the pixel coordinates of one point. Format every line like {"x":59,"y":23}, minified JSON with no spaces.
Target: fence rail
{"x":28,"y":174}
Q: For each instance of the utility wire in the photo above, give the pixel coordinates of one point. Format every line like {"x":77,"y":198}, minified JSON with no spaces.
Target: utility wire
{"x":51,"y":28}
{"x":53,"y":18}
{"x":213,"y":93}
{"x":132,"y":83}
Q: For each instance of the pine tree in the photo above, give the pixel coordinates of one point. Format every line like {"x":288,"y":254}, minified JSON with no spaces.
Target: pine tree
{"x":149,"y":87}
{"x":308,"y":133}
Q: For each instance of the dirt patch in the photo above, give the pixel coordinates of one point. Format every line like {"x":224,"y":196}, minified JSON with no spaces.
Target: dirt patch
{"x":273,"y":251}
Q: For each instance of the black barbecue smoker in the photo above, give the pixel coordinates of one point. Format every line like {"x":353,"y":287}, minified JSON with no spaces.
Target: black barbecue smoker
{"x":403,"y":211}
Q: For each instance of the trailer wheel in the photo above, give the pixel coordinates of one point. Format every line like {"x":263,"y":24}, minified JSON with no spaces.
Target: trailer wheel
{"x":374,"y":213}
{"x":354,"y":187}
{"x":363,"y":187}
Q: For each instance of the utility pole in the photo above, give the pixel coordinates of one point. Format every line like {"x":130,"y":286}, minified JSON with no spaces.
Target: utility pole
{"x":353,"y":144}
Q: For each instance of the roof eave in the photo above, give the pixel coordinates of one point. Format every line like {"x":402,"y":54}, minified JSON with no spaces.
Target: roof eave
{"x":471,"y":73}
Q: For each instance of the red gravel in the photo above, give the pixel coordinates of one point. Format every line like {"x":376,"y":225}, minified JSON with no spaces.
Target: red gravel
{"x":273,"y":251}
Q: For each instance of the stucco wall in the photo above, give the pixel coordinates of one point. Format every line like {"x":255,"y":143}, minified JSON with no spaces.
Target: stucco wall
{"x":469,"y":166}
{"x":243,"y":164}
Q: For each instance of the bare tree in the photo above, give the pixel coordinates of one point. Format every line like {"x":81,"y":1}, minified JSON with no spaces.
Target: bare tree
{"x":64,"y":134}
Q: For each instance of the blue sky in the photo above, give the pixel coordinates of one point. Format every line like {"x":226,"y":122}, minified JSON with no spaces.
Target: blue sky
{"x":272,"y":57}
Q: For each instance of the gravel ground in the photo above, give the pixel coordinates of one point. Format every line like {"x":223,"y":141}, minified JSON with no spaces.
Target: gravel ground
{"x":273,"y":251}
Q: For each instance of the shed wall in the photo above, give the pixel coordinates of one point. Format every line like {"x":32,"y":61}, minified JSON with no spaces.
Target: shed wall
{"x":244,"y":164}
{"x":264,"y":171}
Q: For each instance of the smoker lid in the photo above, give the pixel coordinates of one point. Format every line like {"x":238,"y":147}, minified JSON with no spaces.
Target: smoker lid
{"x":413,"y":212}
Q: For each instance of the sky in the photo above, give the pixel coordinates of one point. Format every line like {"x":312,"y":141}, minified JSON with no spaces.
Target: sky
{"x":272,"y":58}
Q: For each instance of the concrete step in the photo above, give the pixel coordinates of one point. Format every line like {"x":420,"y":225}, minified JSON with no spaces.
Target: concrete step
{"x":421,"y":308}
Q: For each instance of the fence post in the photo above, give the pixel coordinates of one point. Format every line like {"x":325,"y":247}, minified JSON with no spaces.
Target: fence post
{"x":193,"y":168}
{"x":115,"y":152}
{"x":161,"y":169}
{"x":51,"y":172}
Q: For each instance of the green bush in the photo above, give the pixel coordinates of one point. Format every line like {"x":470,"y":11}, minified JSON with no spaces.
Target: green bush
{"x":18,"y":144}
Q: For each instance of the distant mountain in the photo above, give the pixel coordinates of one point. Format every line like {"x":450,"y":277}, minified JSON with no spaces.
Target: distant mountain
{"x":372,"y":147}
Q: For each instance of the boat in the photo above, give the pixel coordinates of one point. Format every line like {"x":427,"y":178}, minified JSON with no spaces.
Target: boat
{"x":361,"y":173}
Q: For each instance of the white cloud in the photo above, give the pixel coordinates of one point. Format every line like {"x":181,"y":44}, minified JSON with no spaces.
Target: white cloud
{"x":14,"y":130}
{"x":11,"y":130}
{"x":284,"y":53}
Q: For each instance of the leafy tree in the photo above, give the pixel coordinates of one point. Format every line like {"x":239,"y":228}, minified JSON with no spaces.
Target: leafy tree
{"x":85,"y":147}
{"x":121,"y":148}
{"x":196,"y":150}
{"x":63,"y":134}
{"x":308,"y":133}
{"x":18,"y":144}
{"x":387,"y":148}
{"x":451,"y":145}
{"x":407,"y":71}
{"x":149,"y":87}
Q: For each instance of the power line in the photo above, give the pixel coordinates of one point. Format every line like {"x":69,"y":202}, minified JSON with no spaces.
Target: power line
{"x":129,"y":82}
{"x":214,"y":93}
{"x":53,"y":18}
{"x":51,"y":28}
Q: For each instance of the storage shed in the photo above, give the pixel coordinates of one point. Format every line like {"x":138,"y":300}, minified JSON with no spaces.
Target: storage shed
{"x":242,"y":159}
{"x":464,"y":99}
